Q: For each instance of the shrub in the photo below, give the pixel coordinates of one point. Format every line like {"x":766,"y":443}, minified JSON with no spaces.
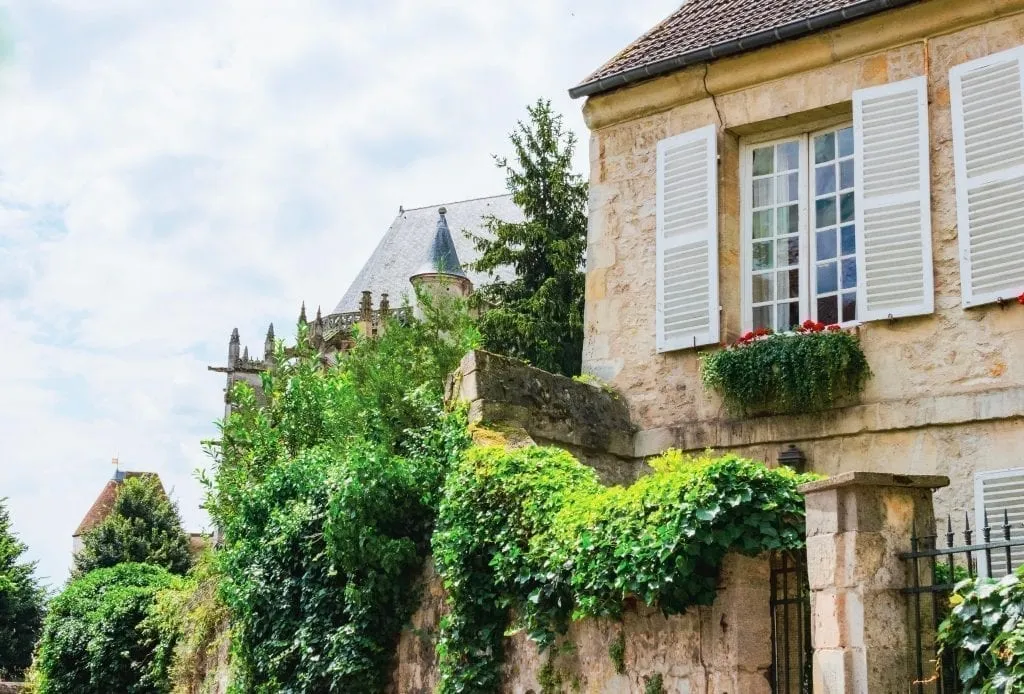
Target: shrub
{"x":533,"y":533}
{"x":787,"y":372}
{"x":985,"y":633}
{"x":326,"y":498}
{"x":96,"y":639}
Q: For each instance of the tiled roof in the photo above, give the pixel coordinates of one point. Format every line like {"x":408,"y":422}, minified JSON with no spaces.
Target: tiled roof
{"x":707,"y":29}
{"x":409,"y":243}
{"x":104,"y":503}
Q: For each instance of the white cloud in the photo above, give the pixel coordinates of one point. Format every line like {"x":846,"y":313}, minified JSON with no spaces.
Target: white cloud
{"x":169,"y":170}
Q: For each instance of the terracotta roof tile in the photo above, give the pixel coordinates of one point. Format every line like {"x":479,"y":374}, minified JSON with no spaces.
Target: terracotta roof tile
{"x":699,"y":25}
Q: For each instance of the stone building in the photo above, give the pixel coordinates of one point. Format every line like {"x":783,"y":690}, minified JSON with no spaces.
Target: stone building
{"x":425,"y":248}
{"x":756,"y":164}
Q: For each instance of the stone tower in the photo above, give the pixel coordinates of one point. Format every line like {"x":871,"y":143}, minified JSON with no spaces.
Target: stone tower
{"x":440,"y":272}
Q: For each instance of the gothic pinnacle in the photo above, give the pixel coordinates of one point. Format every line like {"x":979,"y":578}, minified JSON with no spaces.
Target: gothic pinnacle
{"x":302,"y":313}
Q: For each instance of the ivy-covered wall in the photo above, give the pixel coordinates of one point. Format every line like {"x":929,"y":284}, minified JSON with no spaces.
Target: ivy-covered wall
{"x":721,"y":648}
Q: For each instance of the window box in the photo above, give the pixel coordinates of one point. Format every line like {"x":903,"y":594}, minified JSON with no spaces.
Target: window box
{"x":809,"y":369}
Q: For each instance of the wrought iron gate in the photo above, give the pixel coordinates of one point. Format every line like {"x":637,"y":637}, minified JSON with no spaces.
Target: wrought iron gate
{"x":791,"y":624}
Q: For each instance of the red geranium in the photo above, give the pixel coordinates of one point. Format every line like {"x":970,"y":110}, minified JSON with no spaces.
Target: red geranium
{"x":1020,"y":299}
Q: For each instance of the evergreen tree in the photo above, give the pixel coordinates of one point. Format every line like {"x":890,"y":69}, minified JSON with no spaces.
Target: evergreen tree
{"x":21,"y":603}
{"x":538,"y":315}
{"x":143,"y":527}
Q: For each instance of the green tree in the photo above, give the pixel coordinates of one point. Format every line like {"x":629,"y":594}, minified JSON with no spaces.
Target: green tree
{"x":143,"y":527}
{"x":21,"y":602}
{"x":538,"y":315}
{"x":98,"y":638}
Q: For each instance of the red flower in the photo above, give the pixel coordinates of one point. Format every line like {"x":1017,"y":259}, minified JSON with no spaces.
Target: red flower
{"x":834,"y":328}
{"x":819,"y":326}
{"x":808,"y":325}
{"x":1020,"y":299}
{"x":761,"y":332}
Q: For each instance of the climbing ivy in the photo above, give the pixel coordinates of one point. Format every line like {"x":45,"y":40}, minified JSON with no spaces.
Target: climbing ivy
{"x":802,"y":371}
{"x":985,"y":632}
{"x":529,"y":539}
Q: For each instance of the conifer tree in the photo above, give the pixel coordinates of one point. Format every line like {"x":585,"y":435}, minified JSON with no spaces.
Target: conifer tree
{"x":143,"y":527}
{"x":538,"y":314}
{"x":21,"y":603}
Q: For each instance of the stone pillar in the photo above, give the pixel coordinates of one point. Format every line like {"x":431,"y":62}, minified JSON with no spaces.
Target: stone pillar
{"x":857,"y":524}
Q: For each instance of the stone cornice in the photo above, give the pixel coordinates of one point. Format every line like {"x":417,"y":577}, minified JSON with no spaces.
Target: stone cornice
{"x":875,"y":417}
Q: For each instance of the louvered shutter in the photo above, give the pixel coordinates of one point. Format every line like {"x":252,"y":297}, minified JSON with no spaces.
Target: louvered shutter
{"x":893,"y":204}
{"x":687,"y":240}
{"x":994,"y":493}
{"x":988,"y":140}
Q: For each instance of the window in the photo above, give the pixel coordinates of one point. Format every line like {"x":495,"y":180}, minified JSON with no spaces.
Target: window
{"x":999,"y":495}
{"x":799,"y":227}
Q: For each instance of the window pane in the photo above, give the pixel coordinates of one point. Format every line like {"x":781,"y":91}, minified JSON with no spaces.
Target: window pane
{"x":762,"y":317}
{"x":846,"y":174}
{"x":825,"y":179}
{"x":827,"y":278}
{"x":763,"y":192}
{"x":845,"y":137}
{"x":789,"y":284}
{"x":762,"y":288}
{"x":828,"y":310}
{"x":846,"y":207}
{"x":788,"y":251}
{"x":762,"y":224}
{"x":849,"y":244}
{"x":825,"y":212}
{"x":789,"y":156}
{"x":763,"y":161}
{"x":849,"y":273}
{"x":824,"y":148}
{"x":825,"y":244}
{"x":763,"y":252}
{"x":789,"y":220}
{"x":849,"y":307}
{"x":788,"y":316}
{"x":788,"y":187}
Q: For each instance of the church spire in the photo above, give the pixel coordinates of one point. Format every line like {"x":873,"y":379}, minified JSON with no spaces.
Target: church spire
{"x":302,"y":314}
{"x":268,"y":346}
{"x":233,"y":347}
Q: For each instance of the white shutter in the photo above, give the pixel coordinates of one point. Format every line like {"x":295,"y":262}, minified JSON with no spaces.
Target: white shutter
{"x":687,"y":240}
{"x":893,"y":204}
{"x":994,"y":493}
{"x":988,"y":147}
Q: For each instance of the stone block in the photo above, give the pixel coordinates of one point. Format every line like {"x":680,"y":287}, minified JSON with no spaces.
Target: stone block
{"x":833,"y":672}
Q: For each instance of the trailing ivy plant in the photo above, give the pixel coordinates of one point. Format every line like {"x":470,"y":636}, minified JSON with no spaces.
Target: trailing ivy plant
{"x":530,"y":539}
{"x":806,"y":370}
{"x":326,"y":497}
{"x":985,"y":633}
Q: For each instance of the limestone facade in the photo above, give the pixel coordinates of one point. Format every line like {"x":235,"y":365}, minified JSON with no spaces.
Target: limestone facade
{"x":947,"y":395}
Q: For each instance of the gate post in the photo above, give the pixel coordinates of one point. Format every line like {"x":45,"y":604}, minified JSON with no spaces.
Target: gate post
{"x":857,"y":523}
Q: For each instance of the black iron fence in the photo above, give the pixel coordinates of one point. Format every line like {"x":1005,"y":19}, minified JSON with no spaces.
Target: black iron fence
{"x":791,"y":624}
{"x":933,"y":571}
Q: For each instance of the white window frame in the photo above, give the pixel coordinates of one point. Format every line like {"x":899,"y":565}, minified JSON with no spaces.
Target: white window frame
{"x":808,"y":251}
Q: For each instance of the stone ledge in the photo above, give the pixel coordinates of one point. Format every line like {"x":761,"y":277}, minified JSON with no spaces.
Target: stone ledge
{"x":876,"y":479}
{"x":890,"y":415}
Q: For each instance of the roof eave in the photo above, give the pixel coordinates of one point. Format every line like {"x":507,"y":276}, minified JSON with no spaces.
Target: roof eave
{"x":793,"y":30}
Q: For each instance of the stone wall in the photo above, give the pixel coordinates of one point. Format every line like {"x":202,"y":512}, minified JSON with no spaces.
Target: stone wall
{"x":590,"y":421}
{"x":11,"y":688}
{"x":721,"y":649}
{"x":948,"y":389}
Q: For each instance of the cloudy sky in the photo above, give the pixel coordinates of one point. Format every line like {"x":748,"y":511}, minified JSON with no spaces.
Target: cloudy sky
{"x":172,"y":169}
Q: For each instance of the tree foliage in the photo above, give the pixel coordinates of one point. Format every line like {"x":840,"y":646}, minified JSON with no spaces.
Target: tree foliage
{"x":533,"y":533}
{"x":538,"y":315}
{"x":326,"y":497}
{"x":21,"y":602}
{"x":97,"y":638}
{"x":143,"y":527}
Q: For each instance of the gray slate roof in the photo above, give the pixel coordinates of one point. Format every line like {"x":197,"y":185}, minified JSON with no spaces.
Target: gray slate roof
{"x":408,"y":246}
{"x":703,"y":30}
